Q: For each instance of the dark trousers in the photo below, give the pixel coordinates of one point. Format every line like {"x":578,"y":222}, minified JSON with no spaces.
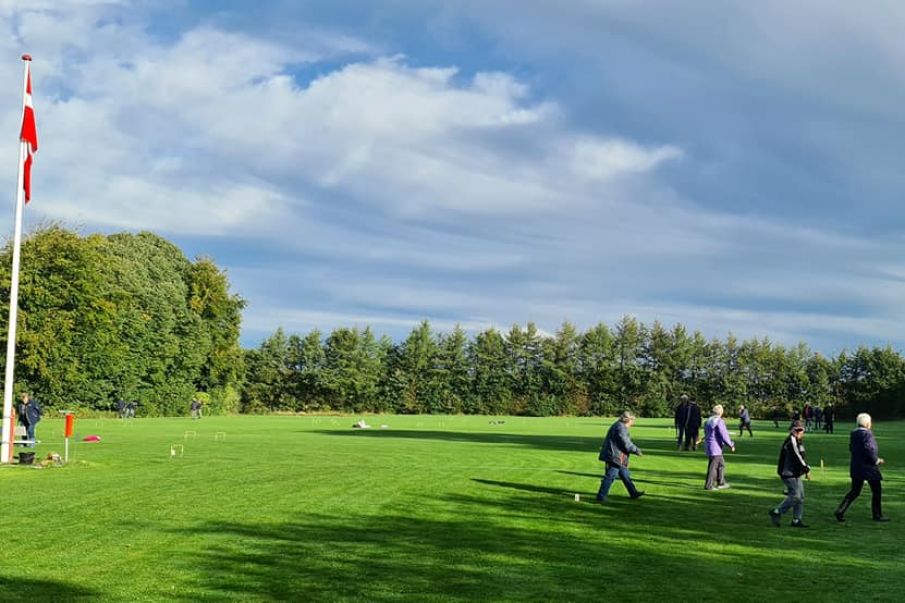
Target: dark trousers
{"x":876,"y":491}
{"x":742,"y":427}
{"x":828,"y":427}
{"x":609,"y":476}
{"x":691,"y":438}
{"x":680,"y":435}
{"x":716,"y":469}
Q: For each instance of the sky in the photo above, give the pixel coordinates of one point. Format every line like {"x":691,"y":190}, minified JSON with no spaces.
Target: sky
{"x":728,"y":165}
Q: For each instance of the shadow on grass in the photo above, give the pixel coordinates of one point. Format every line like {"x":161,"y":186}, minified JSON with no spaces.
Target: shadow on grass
{"x":531,"y":545}
{"x":755,"y":451}
{"x":24,"y":589}
{"x":541,"y":442}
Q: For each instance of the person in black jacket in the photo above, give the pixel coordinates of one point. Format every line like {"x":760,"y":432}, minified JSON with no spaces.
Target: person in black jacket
{"x":681,"y":416}
{"x":692,"y":425}
{"x":615,"y":453}
{"x":793,"y":463}
{"x":829,"y":418}
{"x":864,"y":467}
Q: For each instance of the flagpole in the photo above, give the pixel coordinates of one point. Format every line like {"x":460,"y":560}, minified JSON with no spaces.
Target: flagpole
{"x":6,"y":441}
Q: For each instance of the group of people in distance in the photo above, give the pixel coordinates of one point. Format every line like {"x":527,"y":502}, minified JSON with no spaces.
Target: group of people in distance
{"x":126,"y":410}
{"x":792,"y":467}
{"x":814,"y":417}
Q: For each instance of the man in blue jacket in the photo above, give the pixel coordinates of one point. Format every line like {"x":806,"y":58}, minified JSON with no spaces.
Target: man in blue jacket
{"x":615,"y":453}
{"x":864,"y":467}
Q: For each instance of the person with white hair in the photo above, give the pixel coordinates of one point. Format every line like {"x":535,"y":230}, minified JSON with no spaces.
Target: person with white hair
{"x":615,"y":452}
{"x":716,"y":436}
{"x":864,"y":467}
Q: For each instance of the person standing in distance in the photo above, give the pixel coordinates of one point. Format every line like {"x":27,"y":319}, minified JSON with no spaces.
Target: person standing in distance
{"x":692,"y":425}
{"x":681,"y":417}
{"x":615,"y":452}
{"x":864,"y":467}
{"x":793,"y":463}
{"x":829,"y":419}
{"x":30,"y":414}
{"x":716,"y":436}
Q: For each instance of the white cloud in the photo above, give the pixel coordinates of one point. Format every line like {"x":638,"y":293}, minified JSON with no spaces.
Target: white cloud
{"x":210,"y":117}
{"x":465,"y":195}
{"x":594,"y":159}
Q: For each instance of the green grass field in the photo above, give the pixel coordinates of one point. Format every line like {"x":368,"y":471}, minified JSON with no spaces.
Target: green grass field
{"x":433,"y":508}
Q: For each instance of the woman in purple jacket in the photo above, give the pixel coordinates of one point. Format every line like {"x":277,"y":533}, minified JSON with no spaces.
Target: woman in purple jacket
{"x":864,"y":467}
{"x":716,"y":436}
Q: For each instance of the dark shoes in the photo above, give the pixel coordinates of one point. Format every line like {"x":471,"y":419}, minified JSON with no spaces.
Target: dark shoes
{"x":797,"y":523}
{"x":881,"y":518}
{"x":637,"y":495}
{"x":775,"y":516}
{"x":840,"y":516}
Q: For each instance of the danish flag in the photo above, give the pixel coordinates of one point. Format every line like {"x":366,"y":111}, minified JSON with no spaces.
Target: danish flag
{"x":29,"y":135}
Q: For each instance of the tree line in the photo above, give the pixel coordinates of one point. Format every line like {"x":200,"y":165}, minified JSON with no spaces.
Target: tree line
{"x":601,"y":371}
{"x":128,"y":316}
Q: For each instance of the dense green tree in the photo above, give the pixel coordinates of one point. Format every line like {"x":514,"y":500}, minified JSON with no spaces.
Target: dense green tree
{"x":492,"y":393}
{"x":453,"y":372}
{"x":353,"y":369}
{"x":598,"y":369}
{"x":629,"y":343}
{"x":122,"y":316}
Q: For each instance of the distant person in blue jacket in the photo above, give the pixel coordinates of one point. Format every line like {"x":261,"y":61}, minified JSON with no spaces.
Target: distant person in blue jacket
{"x":615,"y":452}
{"x":864,"y":467}
{"x":30,"y":413}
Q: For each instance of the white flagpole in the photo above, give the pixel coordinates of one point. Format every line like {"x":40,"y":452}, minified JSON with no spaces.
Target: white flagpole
{"x":6,"y":442}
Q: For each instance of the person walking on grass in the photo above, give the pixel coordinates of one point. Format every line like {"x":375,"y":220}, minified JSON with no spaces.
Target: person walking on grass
{"x":716,"y":437}
{"x":744,"y":418}
{"x":864,"y":467}
{"x":680,"y":419}
{"x":792,"y":465}
{"x":615,"y":452}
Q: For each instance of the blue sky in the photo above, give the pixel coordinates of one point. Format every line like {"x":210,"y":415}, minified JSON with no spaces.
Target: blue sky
{"x":732,"y":166}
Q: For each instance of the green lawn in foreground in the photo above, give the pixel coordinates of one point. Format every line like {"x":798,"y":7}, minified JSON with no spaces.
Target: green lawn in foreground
{"x":433,"y":508}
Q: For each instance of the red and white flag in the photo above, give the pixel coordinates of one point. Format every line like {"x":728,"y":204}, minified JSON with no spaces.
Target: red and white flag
{"x":29,"y":136}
